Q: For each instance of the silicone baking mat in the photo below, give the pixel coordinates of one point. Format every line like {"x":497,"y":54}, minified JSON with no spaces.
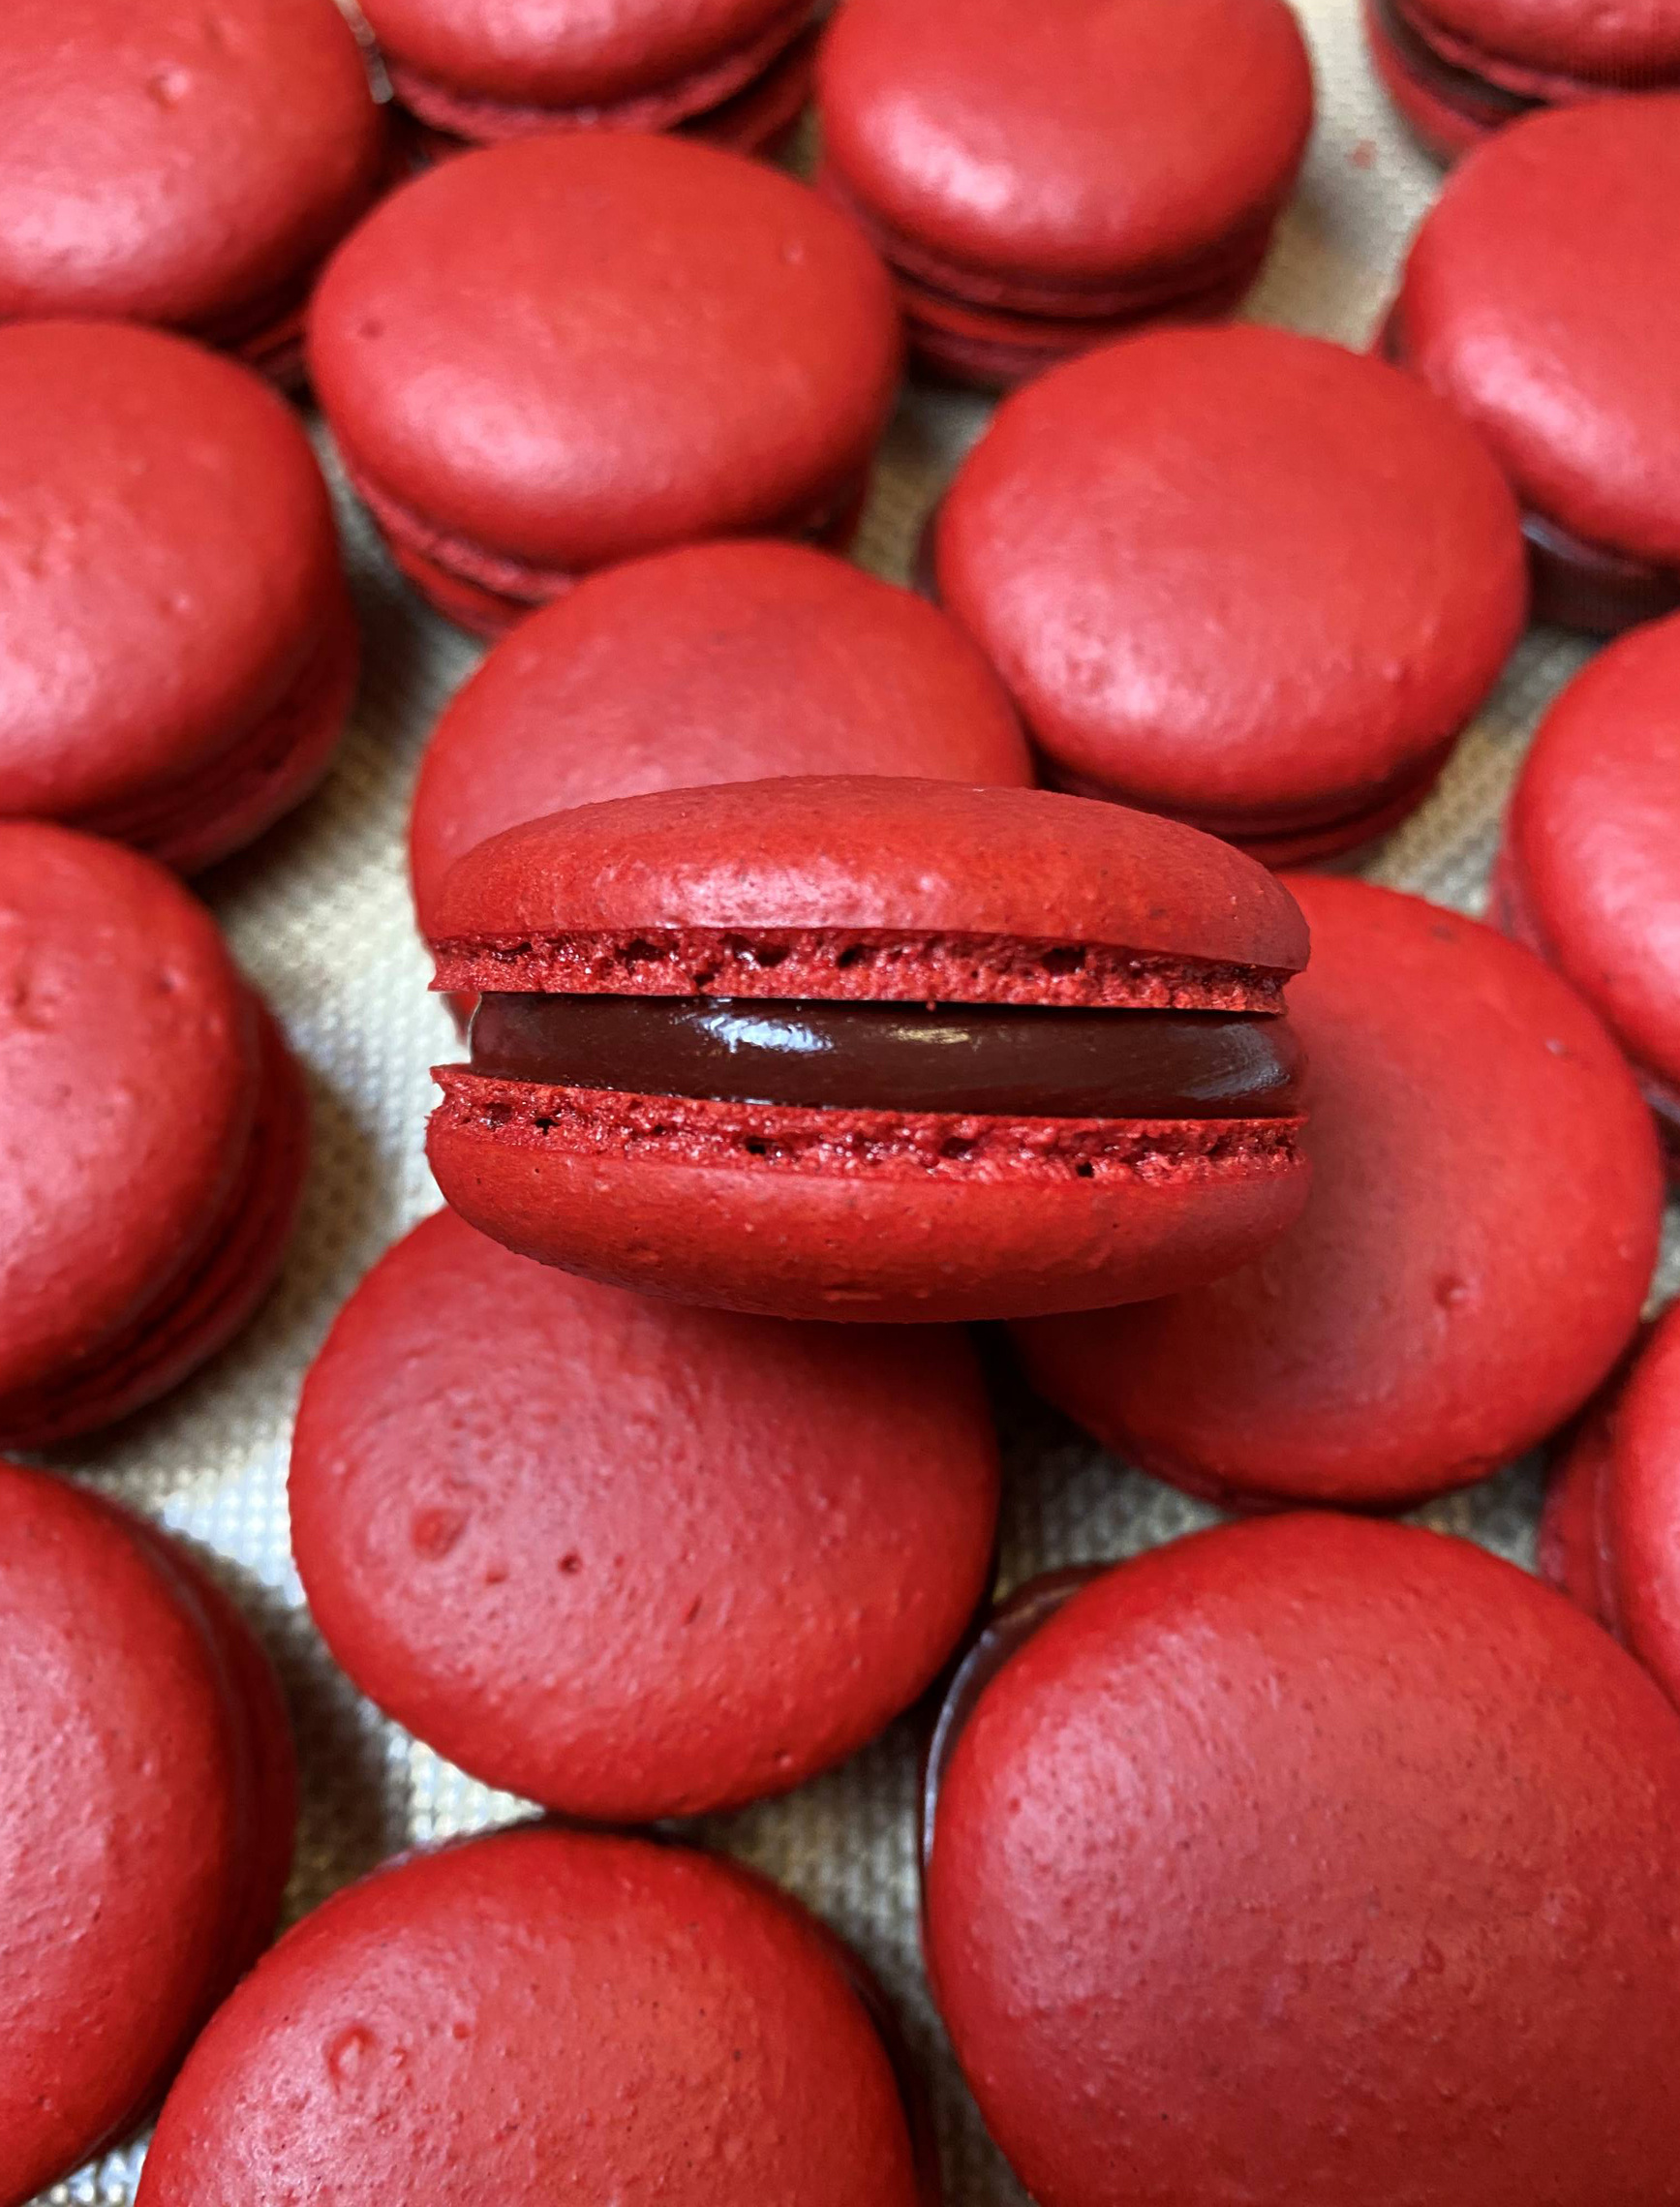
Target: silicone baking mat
{"x":320,"y":916}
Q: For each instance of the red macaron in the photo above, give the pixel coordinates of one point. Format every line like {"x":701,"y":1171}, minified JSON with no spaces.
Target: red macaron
{"x":626,"y":1559}
{"x":153,"y":1135}
{"x":1309,"y":1861}
{"x":629,"y":2021}
{"x":1542,"y":300}
{"x":1240,"y":576}
{"x":553,"y":355}
{"x":734,"y":72}
{"x":870,"y":1049}
{"x":1589,"y":871}
{"x":1040,"y":178}
{"x":146,"y":1810}
{"x":176,"y":163}
{"x":719,"y":662}
{"x":1474,"y":1250}
{"x":177,"y":645}
{"x":1459,"y":70}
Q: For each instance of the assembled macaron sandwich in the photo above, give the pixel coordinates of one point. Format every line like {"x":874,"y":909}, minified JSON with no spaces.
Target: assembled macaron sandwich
{"x":867,"y":1048}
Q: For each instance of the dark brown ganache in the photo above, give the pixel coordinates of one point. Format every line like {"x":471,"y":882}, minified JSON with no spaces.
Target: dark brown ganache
{"x":993,"y":1060}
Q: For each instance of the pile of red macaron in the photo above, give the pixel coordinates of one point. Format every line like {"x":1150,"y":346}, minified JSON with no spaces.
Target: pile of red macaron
{"x":839,"y":968}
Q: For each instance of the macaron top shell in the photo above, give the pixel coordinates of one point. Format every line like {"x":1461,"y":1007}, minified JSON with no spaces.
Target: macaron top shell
{"x":1642,"y":1518}
{"x":1020,"y":893}
{"x":1153,"y":543}
{"x":557,"y":53}
{"x":1542,"y":298}
{"x":1593,"y":837}
{"x":166,"y":559}
{"x":1618,"y":41}
{"x":175,"y":162}
{"x":580,"y":347}
{"x":1475,"y":1249}
{"x":1339,"y":1853}
{"x":118,"y":1830}
{"x":625,"y":1558}
{"x":718,"y":661}
{"x":661,"y":2028}
{"x":128,"y":1061}
{"x":1067,"y":139}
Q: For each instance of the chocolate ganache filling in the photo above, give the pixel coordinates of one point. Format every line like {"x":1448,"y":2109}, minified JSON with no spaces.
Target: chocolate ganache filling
{"x":993,"y":1060}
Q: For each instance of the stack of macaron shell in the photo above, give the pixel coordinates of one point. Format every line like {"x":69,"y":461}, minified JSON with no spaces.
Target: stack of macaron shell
{"x":718,"y":663}
{"x":1589,"y":871}
{"x":734,"y":72}
{"x":1475,"y":1249}
{"x":860,"y":1048}
{"x":1040,"y":178}
{"x":180,"y":164}
{"x":146,"y":1812}
{"x":178,"y":648}
{"x":552,"y":354}
{"x":1541,"y":300}
{"x":153,"y":1135}
{"x":1240,"y":576}
{"x":623,"y":1559}
{"x":1457,"y":70}
{"x":1340,"y":1855}
{"x":632,"y":2020}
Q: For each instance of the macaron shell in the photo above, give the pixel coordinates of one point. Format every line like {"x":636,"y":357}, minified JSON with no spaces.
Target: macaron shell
{"x":1069,"y":141}
{"x":553,"y":53}
{"x":1472,"y":1259}
{"x":1643,"y":1509}
{"x":717,"y":663}
{"x":169,"y":573}
{"x":1619,"y":43}
{"x":462,"y":2026}
{"x":131,"y":1063}
{"x":577,"y":347}
{"x":1165,"y":645}
{"x":1593,"y":842}
{"x":1542,"y":300}
{"x":1416,"y":1815}
{"x":122,"y":1812}
{"x":1574,"y":1546}
{"x":625,"y":1559}
{"x":173,"y":163}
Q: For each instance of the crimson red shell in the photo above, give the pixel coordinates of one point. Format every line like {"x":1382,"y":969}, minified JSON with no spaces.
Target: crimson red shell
{"x":623,"y":1559}
{"x":1472,"y":1259}
{"x":463,"y":2025}
{"x":146,"y":1806}
{"x":1151,"y":545}
{"x":1320,"y":1850}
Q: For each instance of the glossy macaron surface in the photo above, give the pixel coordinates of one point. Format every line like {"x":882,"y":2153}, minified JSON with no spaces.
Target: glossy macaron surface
{"x":1620,"y":46}
{"x":658,"y":2025}
{"x":1472,"y":1259}
{"x":1638,"y":1515}
{"x":1156,"y":546}
{"x":623,"y":1559}
{"x":1475,"y":1897}
{"x":716,"y":662}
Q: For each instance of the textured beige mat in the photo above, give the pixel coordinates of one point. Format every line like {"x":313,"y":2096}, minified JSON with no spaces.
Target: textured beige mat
{"x":320,"y":916}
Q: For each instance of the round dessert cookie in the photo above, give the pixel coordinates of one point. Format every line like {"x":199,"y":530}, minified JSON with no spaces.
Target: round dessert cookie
{"x":177,"y":644}
{"x":146,"y":1813}
{"x":1589,"y":871}
{"x":865,"y":1048}
{"x":177,"y":164}
{"x":1457,"y":70}
{"x":623,"y":1559}
{"x":153,"y":1135}
{"x":1542,"y":300}
{"x":735,"y":71}
{"x":1323,"y":1850}
{"x":1039,"y":179}
{"x":1153,"y":544}
{"x":655,"y":2024}
{"x":719,"y":662}
{"x":549,"y":356}
{"x":1480,"y":1231}
{"x":1572,"y":1545}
